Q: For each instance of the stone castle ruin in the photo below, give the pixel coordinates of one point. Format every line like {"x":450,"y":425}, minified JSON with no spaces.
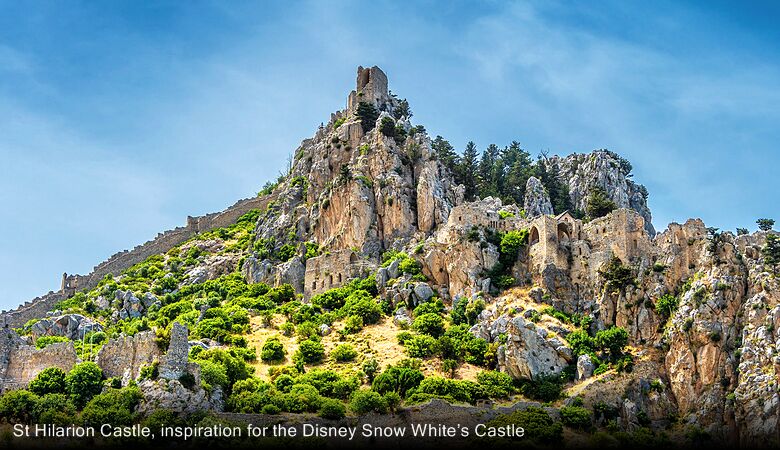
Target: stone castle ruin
{"x":119,"y":262}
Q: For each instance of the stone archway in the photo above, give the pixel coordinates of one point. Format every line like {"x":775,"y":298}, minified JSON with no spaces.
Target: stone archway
{"x":564,"y":232}
{"x":534,"y":236}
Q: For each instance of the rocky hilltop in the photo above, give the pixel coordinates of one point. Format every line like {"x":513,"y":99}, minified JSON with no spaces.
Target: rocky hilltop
{"x":375,"y":256}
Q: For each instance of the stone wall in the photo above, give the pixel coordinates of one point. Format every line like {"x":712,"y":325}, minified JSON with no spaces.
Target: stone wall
{"x":33,"y":309}
{"x":124,"y":356}
{"x":174,"y":363}
{"x":20,"y":363}
{"x":121,"y":261}
{"x":333,"y":270}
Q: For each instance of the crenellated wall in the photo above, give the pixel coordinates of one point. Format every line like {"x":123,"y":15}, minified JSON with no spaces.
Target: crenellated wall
{"x":123,"y":260}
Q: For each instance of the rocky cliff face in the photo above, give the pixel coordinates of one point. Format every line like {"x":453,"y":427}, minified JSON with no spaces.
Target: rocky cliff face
{"x":369,"y":182}
{"x":604,"y":169}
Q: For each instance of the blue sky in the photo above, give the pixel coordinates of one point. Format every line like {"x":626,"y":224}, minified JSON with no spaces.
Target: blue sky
{"x":118,"y":119}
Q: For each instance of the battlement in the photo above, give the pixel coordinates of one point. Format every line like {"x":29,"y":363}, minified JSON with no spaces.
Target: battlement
{"x":125,"y":259}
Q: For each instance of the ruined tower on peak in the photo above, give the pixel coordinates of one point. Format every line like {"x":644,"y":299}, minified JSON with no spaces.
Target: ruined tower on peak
{"x":371,"y":88}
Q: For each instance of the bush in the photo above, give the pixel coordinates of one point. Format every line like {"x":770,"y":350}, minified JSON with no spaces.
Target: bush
{"x":421,"y":346}
{"x":397,"y":379}
{"x":666,"y":305}
{"x":538,"y":425}
{"x":55,"y":409}
{"x":613,"y":339}
{"x":213,"y":374}
{"x":576,"y":417}
{"x":546,"y":388}
{"x":344,"y":353}
{"x":332,"y":409}
{"x":18,"y":406}
{"x":496,"y":384}
{"x":353,"y":324}
{"x":511,"y":243}
{"x":580,"y":342}
{"x":83,"y":382}
{"x":360,"y":303}
{"x":114,"y":407}
{"x":430,"y":324}
{"x":365,"y":401}
{"x":311,"y":351}
{"x":45,"y":341}
{"x":617,"y":275}
{"x":236,"y":367}
{"x":599,"y":204}
{"x":49,"y":381}
{"x":273,"y":350}
{"x":302,"y":398}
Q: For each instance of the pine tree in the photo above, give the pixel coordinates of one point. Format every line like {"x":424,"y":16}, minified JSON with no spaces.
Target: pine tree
{"x":445,"y":153}
{"x":765,"y":224}
{"x":488,"y":180}
{"x":467,"y":170}
{"x":559,"y":192}
{"x":599,"y":203}
{"x":771,"y":252}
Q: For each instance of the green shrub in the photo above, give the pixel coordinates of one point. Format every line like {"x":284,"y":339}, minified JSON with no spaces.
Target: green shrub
{"x":365,"y":401}
{"x":115,"y":407}
{"x":496,"y":384}
{"x":344,"y":353}
{"x":353,"y":324}
{"x":617,"y":275}
{"x":213,"y":374}
{"x":55,"y":409}
{"x":538,"y":425}
{"x":666,"y":305}
{"x":49,"y":381}
{"x":18,"y":406}
{"x":367,"y":114}
{"x":236,"y":367}
{"x":421,"y":346}
{"x":273,"y":350}
{"x":370,"y":368}
{"x":332,"y":409}
{"x":45,"y":341}
{"x":360,"y":303}
{"x":580,"y":342}
{"x":613,"y":339}
{"x":599,"y":204}
{"x":430,"y":324}
{"x":311,"y":351}
{"x":83,"y":382}
{"x":546,"y":388}
{"x":397,"y":379}
{"x":576,"y":417}
{"x":302,"y":398}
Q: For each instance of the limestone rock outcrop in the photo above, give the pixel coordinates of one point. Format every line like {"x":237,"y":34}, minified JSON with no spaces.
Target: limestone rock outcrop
{"x":71,"y":326}
{"x":530,"y":351}
{"x":604,"y":169}
{"x":537,"y":200}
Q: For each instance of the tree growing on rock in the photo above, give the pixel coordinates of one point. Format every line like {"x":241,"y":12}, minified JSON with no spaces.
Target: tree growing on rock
{"x":771,"y":252}
{"x":765,"y":224}
{"x":599,"y":204}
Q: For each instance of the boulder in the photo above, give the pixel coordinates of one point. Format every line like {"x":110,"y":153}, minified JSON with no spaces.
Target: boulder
{"x":585,"y":367}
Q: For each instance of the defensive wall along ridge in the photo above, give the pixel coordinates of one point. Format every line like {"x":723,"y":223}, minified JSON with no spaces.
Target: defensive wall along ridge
{"x":119,"y":262}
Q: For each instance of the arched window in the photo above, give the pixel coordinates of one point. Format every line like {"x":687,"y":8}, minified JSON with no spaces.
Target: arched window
{"x":563,"y":232}
{"x":534,"y":238}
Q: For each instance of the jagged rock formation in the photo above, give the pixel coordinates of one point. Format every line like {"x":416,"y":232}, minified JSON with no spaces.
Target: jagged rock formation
{"x":368,"y":182}
{"x":537,"y":201}
{"x":604,"y":169}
